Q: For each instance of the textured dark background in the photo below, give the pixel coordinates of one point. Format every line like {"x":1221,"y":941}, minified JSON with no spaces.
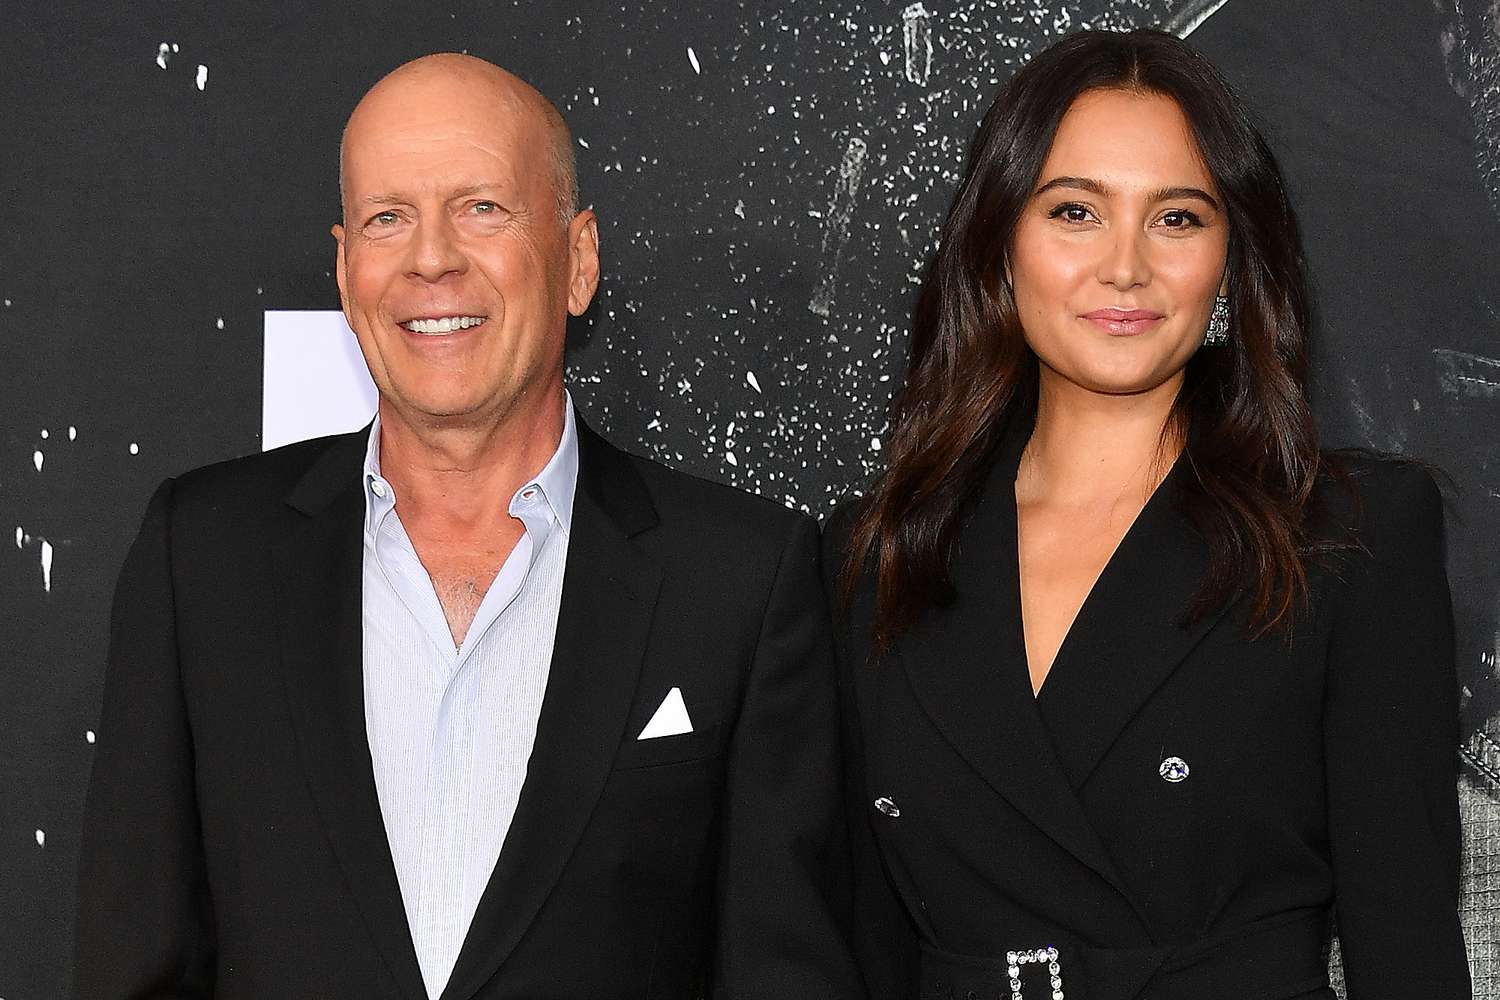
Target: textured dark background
{"x":768,"y":178}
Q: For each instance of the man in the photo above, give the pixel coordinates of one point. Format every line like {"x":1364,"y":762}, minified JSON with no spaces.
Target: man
{"x":469,"y":704}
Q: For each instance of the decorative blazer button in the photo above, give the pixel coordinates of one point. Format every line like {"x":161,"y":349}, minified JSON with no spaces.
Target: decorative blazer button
{"x":888,"y":807}
{"x":1173,"y":769}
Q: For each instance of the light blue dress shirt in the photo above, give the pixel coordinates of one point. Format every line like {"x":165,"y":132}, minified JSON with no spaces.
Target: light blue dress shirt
{"x":450,"y":730}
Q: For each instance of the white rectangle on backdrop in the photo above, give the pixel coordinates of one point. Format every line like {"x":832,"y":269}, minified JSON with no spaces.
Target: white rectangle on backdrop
{"x":316,"y":382}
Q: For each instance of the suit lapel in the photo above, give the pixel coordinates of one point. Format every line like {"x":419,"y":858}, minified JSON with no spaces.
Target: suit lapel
{"x":1130,"y":635}
{"x":609,"y":593}
{"x":967,"y":664}
{"x":318,"y":559}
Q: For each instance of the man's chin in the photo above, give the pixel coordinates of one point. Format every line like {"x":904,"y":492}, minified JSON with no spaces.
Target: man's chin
{"x":434,"y":412}
{"x":440,"y":403}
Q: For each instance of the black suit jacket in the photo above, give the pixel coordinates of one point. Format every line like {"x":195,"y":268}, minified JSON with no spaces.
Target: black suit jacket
{"x":1320,"y":771}
{"x":233,"y":842}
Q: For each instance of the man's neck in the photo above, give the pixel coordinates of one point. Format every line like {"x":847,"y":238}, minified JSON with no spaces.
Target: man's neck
{"x":456,"y":477}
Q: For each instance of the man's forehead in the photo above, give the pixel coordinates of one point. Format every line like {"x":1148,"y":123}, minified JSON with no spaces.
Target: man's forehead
{"x":444,"y":124}
{"x":438,"y":100}
{"x":437,"y":154}
{"x":487,"y":124}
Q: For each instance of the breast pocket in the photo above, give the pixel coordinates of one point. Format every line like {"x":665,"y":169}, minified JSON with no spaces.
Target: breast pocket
{"x":677,"y":748}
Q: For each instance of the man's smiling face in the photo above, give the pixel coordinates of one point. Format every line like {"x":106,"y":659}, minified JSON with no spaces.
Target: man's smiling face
{"x":455,"y":269}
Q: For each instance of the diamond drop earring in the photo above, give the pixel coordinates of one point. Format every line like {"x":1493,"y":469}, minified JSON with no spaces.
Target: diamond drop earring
{"x":1218,"y":324}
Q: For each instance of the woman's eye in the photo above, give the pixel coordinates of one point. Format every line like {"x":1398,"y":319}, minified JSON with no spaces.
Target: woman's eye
{"x":1181,"y":219}
{"x":1070,"y":212}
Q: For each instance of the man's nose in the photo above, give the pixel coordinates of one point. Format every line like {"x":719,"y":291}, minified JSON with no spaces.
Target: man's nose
{"x":435,"y":251}
{"x":1125,"y":263}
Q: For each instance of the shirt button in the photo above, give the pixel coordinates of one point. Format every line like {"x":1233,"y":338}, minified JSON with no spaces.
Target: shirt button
{"x":1173,"y":769}
{"x":888,"y":807}
{"x":378,"y":488}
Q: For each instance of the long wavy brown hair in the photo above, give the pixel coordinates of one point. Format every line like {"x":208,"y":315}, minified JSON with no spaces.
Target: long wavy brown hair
{"x":1242,"y":413}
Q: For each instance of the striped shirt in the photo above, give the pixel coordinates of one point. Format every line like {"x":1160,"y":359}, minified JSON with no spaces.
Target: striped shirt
{"x":450,"y":730}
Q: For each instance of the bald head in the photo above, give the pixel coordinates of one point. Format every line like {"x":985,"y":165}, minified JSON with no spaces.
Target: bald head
{"x":446,"y":82}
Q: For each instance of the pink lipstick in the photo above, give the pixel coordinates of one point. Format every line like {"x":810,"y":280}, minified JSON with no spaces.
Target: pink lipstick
{"x":1123,"y":322}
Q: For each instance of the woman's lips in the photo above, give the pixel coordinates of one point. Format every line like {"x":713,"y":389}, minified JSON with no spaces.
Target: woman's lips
{"x":1123,"y":322}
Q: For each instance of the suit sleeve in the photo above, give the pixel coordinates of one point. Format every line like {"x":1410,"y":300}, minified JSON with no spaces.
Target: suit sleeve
{"x":782,"y":893}
{"x":144,"y":922}
{"x":1391,"y":738}
{"x":884,"y":941}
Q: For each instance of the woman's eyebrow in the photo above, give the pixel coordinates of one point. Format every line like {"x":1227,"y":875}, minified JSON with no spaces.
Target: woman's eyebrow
{"x":1178,"y":193}
{"x":1081,"y":183}
{"x":1171,"y":193}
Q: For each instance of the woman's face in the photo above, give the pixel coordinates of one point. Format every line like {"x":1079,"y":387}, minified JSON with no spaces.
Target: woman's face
{"x":1121,"y":249}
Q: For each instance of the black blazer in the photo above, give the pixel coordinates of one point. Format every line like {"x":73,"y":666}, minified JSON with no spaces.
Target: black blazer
{"x":233,"y":842}
{"x":1320,"y":772}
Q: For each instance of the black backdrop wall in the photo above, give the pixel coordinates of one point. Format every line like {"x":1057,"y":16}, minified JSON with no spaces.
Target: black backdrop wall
{"x":768,"y":178}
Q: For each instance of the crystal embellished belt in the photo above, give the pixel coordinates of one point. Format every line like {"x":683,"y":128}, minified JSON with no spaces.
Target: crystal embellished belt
{"x":1041,"y":956}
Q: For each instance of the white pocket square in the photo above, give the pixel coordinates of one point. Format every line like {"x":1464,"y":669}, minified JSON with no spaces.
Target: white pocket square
{"x":671,"y":718}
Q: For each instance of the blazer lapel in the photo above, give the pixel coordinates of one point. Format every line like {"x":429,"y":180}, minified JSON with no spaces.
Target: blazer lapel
{"x":1131,"y":633}
{"x":609,"y":593}
{"x":967,"y":664}
{"x":318,"y":559}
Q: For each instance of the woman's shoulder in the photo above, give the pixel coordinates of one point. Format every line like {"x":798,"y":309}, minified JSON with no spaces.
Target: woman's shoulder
{"x":852,"y":602}
{"x":1382,"y":501}
{"x":838,"y":528}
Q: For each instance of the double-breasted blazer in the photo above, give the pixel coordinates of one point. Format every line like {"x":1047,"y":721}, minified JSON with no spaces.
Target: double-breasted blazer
{"x":234,"y":845}
{"x":1181,"y":807}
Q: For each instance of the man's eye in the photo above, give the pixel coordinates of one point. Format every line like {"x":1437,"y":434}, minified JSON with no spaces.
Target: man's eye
{"x":385,"y":219}
{"x":485,"y":207}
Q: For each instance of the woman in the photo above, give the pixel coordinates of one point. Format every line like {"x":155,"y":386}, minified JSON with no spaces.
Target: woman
{"x":1140,"y":685}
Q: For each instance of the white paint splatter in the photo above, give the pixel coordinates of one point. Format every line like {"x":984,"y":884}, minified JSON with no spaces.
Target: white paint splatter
{"x":693,"y":58}
{"x":89,"y":735}
{"x":771,"y":109}
{"x":163,"y":53}
{"x":135,"y":449}
{"x":754,"y":382}
{"x":1191,"y":19}
{"x":72,"y":433}
{"x":583,"y":142}
{"x":874,"y":444}
{"x":41,"y":838}
{"x":729,"y":457}
{"x":202,"y":79}
{"x":219,"y":323}
{"x":46,"y":565}
{"x":20,"y":537}
{"x":739,"y":208}
{"x":44,"y":433}
{"x":1467,"y":375}
{"x":37,"y":458}
{"x":916,"y":33}
{"x":840,"y":213}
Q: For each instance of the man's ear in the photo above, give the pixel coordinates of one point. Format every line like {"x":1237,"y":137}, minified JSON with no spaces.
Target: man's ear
{"x":338,"y":266}
{"x":583,"y":261}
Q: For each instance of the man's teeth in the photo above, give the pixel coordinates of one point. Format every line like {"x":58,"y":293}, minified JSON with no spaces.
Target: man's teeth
{"x":446,"y":324}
